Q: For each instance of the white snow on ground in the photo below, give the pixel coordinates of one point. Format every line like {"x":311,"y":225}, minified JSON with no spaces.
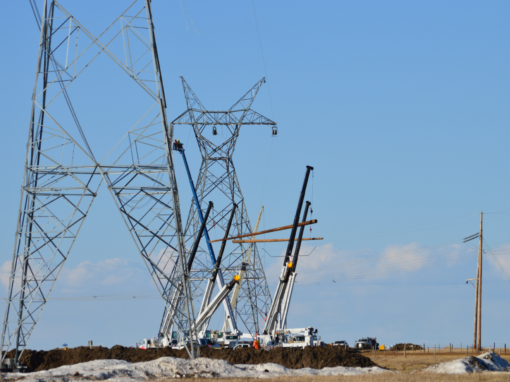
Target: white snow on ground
{"x":484,"y":362}
{"x":169,"y":367}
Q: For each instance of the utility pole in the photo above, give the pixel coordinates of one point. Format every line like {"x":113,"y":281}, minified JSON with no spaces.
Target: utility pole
{"x":479,"y":283}
{"x":477,"y":332}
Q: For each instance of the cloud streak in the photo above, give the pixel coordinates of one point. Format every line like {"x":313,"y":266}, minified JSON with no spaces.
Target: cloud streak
{"x":110,"y":276}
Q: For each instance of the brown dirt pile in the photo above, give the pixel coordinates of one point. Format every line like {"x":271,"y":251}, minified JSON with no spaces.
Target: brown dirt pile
{"x":409,"y":346}
{"x":292,"y":358}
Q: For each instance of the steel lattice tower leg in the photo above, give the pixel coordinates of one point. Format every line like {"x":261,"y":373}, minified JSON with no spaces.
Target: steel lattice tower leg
{"x":217,"y":181}
{"x":62,"y":176}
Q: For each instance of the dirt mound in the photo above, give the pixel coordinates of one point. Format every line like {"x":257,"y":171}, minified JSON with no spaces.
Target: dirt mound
{"x":409,"y":346}
{"x":292,"y":358}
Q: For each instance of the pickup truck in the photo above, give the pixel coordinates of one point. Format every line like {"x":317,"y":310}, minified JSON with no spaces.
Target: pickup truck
{"x":366,"y":343}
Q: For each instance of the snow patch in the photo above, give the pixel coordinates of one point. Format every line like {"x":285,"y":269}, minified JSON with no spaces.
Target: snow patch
{"x":484,"y":362}
{"x":169,"y":367}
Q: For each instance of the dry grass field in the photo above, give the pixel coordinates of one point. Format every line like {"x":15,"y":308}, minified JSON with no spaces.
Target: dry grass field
{"x":418,"y":377}
{"x":418,"y":360}
{"x":408,"y":369}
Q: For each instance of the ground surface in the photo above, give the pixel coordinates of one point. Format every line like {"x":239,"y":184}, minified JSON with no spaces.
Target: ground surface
{"x":386,"y":377}
{"x":418,"y":360}
{"x":291,"y":358}
{"x":408,"y":368}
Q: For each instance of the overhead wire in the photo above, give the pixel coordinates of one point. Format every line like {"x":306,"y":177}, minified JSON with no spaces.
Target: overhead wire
{"x":379,"y":257}
{"x":407,"y":228}
{"x":372,"y":273}
{"x":494,"y":258}
{"x":391,"y":268}
{"x":270,"y":101}
{"x":363,"y":287}
{"x":439,"y":259}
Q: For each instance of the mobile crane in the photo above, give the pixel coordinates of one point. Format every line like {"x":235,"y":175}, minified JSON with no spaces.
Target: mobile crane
{"x":276,"y":322}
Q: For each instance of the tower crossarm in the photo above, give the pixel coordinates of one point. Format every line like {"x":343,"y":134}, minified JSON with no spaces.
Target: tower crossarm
{"x":222,"y":118}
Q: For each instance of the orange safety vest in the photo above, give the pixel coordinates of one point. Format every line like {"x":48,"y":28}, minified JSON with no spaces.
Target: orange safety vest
{"x":256,"y":344}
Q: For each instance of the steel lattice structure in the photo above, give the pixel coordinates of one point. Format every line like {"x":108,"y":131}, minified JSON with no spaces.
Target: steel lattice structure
{"x":217,"y":181}
{"x":62,"y":176}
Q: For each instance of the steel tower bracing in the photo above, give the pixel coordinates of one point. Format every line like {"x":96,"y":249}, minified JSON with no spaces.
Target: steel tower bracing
{"x":217,"y":181}
{"x":62,"y":176}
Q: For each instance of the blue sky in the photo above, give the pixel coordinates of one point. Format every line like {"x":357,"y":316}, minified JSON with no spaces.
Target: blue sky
{"x":401,"y":107}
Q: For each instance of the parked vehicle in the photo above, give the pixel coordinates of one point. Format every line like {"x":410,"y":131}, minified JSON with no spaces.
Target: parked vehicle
{"x":241,"y":345}
{"x":366,"y":343}
{"x":341,"y":343}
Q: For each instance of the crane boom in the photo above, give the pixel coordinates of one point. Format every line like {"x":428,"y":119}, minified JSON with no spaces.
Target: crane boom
{"x":246,"y":260}
{"x":168,"y":320}
{"x":282,"y":324}
{"x":276,"y":305}
{"x":212,"y":280}
{"x":219,"y":275}
{"x":208,"y":311}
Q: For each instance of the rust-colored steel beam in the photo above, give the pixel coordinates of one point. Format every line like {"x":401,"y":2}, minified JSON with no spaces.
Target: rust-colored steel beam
{"x":271,"y":240}
{"x":314,"y":221}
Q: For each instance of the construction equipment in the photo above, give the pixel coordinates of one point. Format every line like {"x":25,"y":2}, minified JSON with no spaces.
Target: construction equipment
{"x":300,"y":338}
{"x":255,"y":232}
{"x":273,"y":240}
{"x":217,"y":274}
{"x":168,"y":321}
{"x":272,"y":318}
{"x":212,"y":280}
{"x":282,"y":324}
{"x":366,"y":343}
{"x":246,"y":260}
{"x":207,"y":307}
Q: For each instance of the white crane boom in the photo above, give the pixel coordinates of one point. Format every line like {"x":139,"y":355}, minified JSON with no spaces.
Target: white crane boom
{"x":246,"y":260}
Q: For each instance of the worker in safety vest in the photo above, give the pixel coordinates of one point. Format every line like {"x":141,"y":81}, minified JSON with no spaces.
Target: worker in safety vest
{"x":256,"y":344}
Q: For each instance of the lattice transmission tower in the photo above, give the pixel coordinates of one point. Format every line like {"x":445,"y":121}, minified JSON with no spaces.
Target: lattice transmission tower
{"x":62,"y":175}
{"x":217,"y":181}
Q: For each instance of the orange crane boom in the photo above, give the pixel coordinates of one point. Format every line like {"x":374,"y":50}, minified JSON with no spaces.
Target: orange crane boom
{"x":271,"y":240}
{"x":268,"y":231}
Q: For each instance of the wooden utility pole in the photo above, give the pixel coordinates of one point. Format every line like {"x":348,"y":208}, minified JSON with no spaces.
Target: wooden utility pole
{"x":480,"y":272}
{"x":476,"y":307}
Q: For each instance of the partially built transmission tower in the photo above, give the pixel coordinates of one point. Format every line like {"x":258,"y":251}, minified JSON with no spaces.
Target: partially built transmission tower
{"x":62,"y":176}
{"x":217,"y":133}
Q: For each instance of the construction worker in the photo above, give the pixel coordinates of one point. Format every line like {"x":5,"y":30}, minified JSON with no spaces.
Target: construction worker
{"x":256,"y":344}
